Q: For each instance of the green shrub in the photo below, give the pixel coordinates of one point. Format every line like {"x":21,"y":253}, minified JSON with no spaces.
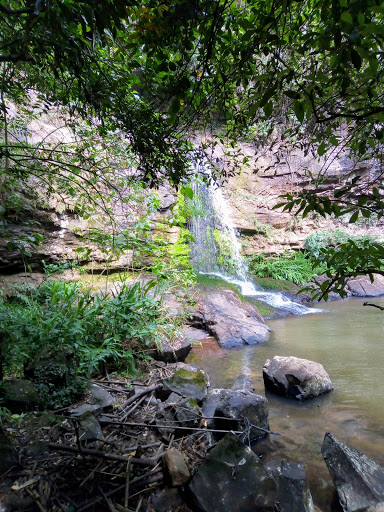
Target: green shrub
{"x":326,"y":238}
{"x":97,"y":329}
{"x":294,"y":267}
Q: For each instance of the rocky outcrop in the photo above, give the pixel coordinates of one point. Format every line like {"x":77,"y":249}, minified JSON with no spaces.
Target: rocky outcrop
{"x":188,"y":380}
{"x":294,"y":377}
{"x":237,"y":410}
{"x":362,"y":287}
{"x":359,"y":481}
{"x":278,"y":168}
{"x":233,"y":479}
{"x":232,"y":322}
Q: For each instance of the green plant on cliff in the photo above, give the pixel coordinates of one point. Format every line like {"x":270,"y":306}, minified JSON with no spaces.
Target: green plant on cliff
{"x":294,"y":267}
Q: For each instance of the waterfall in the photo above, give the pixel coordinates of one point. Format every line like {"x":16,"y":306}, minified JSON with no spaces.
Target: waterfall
{"x":216,"y":247}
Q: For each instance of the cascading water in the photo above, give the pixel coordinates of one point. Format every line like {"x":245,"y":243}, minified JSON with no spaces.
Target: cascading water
{"x":216,"y":248}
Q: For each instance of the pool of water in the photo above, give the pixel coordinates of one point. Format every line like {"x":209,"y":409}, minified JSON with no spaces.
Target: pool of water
{"x":348,"y":340}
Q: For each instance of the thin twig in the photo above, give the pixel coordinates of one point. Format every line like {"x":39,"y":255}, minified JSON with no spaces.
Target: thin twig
{"x":162,"y":425}
{"x":109,"y":456}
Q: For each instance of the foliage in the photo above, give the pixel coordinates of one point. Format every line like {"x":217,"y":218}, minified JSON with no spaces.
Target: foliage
{"x":349,"y":259}
{"x":148,"y":74}
{"x":59,"y":267}
{"x":295,"y":267}
{"x":322,"y":239}
{"x":97,"y":329}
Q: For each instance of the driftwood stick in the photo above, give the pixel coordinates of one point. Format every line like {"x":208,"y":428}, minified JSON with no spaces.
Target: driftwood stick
{"x":168,"y":426}
{"x":109,"y":456}
{"x":140,"y":394}
{"x":373,"y":305}
{"x":130,"y":411}
{"x":265,"y":430}
{"x":126,"y":493}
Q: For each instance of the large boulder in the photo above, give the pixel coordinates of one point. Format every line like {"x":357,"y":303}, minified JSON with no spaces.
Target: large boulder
{"x":233,"y":479}
{"x":232,"y":322}
{"x":238,"y":410}
{"x":294,"y":377}
{"x":293,"y":493}
{"x":188,"y":380}
{"x":359,"y":481}
{"x":362,"y":287}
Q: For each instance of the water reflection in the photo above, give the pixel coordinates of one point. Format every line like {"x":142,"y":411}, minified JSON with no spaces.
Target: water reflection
{"x":348,"y":339}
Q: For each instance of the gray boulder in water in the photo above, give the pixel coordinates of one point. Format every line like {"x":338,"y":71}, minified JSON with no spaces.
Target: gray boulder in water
{"x":294,"y":377}
{"x":359,"y":481}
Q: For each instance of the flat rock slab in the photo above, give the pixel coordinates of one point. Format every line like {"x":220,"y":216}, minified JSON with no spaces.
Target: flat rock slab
{"x":232,"y":322}
{"x":98,"y":400}
{"x":362,"y":287}
{"x":294,"y":377}
{"x":233,"y":479}
{"x":359,"y":481}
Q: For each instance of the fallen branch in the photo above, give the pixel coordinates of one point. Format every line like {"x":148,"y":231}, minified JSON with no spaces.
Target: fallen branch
{"x":373,"y":305}
{"x":108,"y":456}
{"x":140,"y":394}
{"x":158,"y":425}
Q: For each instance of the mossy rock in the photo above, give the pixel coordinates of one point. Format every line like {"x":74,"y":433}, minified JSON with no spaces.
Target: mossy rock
{"x":189,"y":381}
{"x":20,"y":395}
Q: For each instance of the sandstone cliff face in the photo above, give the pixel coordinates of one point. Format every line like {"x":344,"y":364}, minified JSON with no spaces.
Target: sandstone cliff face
{"x":254,"y":192}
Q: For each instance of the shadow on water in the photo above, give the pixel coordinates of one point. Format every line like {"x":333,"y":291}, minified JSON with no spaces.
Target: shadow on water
{"x":348,"y":339}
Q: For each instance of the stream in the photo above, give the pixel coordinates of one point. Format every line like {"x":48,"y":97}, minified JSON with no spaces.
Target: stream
{"x":348,"y":339}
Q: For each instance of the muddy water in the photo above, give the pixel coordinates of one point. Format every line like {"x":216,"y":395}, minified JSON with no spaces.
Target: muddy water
{"x":348,"y":339}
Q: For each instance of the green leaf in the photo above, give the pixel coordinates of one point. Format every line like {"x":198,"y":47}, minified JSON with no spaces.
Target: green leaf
{"x":356,"y":59}
{"x":292,"y":94}
{"x":299,"y":110}
{"x":346,"y":16}
{"x":268,"y":108}
{"x":354,"y":218}
{"x":321,"y":149}
{"x":187,"y":191}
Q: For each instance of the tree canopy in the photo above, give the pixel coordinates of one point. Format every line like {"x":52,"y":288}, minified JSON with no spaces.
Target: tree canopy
{"x":151,"y":73}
